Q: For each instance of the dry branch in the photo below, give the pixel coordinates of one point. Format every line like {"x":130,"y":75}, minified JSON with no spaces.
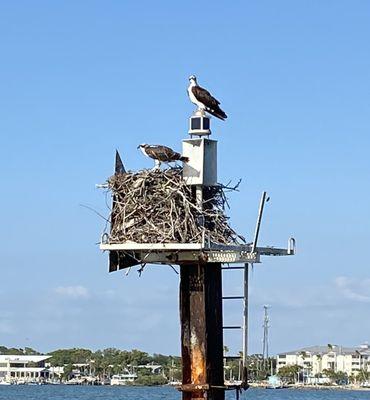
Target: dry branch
{"x":158,"y":207}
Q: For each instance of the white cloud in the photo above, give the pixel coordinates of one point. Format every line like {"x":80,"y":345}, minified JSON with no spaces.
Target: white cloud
{"x":74,"y":292}
{"x":354,"y":289}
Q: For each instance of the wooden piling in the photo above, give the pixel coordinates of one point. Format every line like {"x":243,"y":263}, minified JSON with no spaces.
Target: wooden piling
{"x":201,"y":331}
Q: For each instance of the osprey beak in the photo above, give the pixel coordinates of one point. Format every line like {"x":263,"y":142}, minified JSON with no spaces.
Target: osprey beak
{"x":138,"y":147}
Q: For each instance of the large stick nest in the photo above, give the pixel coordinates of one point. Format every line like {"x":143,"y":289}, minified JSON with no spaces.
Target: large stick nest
{"x":158,"y":207}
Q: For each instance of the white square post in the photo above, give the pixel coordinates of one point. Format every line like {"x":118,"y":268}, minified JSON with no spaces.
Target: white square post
{"x":201,"y":169}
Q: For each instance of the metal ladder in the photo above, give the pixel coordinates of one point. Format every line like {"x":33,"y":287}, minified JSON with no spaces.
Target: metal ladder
{"x":244,"y":326}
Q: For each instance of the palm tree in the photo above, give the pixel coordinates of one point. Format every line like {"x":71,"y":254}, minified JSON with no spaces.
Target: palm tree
{"x":319,"y":359}
{"x":303,"y":355}
{"x":352,"y":378}
{"x":331,"y":348}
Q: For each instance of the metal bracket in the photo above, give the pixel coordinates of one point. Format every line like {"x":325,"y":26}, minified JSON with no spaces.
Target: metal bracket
{"x":180,"y":253}
{"x":291,"y":246}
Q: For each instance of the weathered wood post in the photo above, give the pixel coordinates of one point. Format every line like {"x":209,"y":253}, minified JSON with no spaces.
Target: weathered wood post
{"x":201,"y":331}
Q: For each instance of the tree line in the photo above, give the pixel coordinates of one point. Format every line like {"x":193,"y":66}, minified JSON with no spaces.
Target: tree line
{"x":107,"y":362}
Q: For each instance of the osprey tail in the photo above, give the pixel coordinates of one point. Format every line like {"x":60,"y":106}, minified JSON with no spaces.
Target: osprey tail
{"x":217,"y":112}
{"x":184,"y":159}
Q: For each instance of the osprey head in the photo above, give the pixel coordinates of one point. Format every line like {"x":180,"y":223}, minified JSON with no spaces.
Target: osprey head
{"x":193,"y":78}
{"x":142,"y":146}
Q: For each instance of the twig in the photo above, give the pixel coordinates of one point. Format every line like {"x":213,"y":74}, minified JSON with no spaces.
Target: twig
{"x":158,"y":207}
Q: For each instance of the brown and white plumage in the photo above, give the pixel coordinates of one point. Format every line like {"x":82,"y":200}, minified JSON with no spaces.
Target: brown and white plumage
{"x":160,"y":153}
{"x":204,"y":100}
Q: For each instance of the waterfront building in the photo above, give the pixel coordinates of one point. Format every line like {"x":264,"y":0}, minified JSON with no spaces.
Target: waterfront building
{"x":23,"y":369}
{"x":316,"y":359}
{"x":155,"y":369}
{"x":123,"y":379}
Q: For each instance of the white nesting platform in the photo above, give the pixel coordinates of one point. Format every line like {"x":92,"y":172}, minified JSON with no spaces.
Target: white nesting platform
{"x":171,"y":253}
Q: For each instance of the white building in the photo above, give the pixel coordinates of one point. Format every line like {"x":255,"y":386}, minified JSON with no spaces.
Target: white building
{"x":19,"y":368}
{"x":315,"y":359}
{"x":155,"y":369}
{"x":123,"y":379}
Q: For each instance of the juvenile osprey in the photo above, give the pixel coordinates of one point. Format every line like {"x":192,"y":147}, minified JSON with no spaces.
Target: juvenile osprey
{"x":161,"y":154}
{"x":204,"y":100}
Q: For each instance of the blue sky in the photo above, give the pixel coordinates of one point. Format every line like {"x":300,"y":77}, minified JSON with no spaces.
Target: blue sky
{"x":79,"y":79}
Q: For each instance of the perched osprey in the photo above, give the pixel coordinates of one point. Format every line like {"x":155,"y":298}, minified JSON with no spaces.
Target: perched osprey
{"x":204,"y":100}
{"x":161,"y":154}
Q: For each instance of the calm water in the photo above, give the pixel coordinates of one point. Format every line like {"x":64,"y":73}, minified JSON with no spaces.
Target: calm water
{"x":164,"y":393}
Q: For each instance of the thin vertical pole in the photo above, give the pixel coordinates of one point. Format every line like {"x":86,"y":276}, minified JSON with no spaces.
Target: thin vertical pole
{"x":265,"y":351}
{"x":258,"y":224}
{"x":245,"y":324}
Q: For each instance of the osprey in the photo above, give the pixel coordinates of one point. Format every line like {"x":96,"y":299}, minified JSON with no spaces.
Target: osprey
{"x":161,"y":154}
{"x":204,"y":100}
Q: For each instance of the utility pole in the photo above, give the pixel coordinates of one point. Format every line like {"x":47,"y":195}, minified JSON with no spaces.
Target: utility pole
{"x":265,"y":348}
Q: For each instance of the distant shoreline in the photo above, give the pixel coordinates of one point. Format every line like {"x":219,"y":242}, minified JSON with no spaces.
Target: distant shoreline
{"x":313,"y":387}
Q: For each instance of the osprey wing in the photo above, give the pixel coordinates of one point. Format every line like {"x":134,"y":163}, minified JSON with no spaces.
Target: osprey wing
{"x":152,"y":152}
{"x":204,"y":96}
{"x":162,"y":153}
{"x":211,"y":104}
{"x":170,"y":154}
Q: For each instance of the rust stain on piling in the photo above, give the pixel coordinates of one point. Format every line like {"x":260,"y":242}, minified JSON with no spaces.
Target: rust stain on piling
{"x":201,"y":331}
{"x":198,"y":362}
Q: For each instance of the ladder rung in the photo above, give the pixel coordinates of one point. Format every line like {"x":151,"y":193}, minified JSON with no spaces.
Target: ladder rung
{"x":232,"y":357}
{"x":229,"y":268}
{"x":231,"y":327}
{"x":232,"y":297}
